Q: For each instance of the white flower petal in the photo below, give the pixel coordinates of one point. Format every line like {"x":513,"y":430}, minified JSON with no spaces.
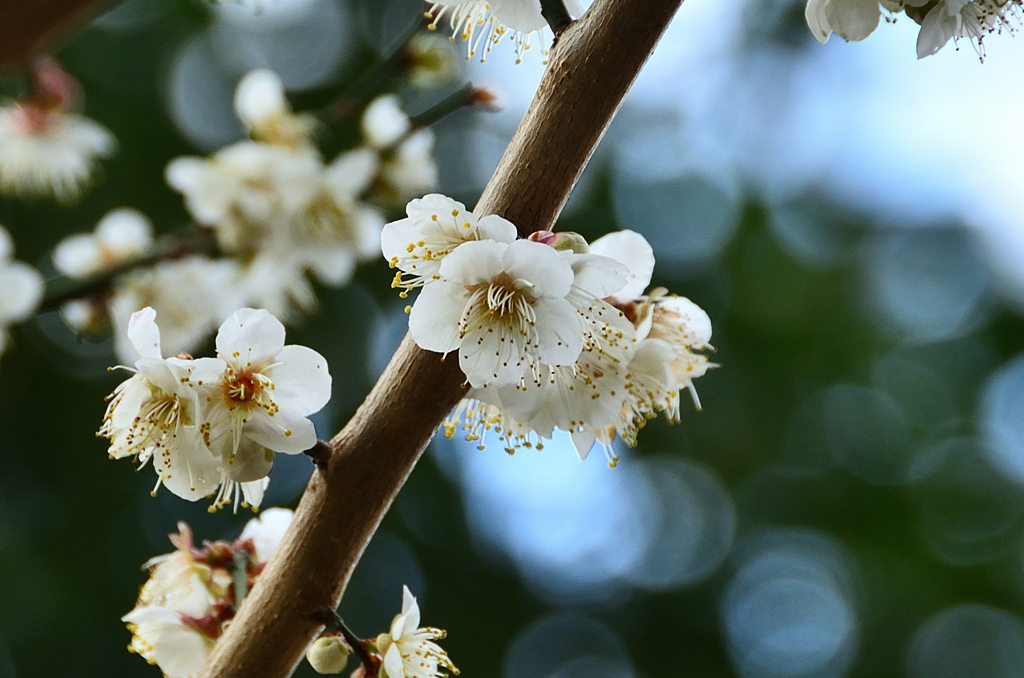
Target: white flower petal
{"x":493,"y":356}
{"x":302,"y":379}
{"x":583,"y":441}
{"x":816,"y":15}
{"x":476,"y":262}
{"x":259,"y":98}
{"x":393,"y":665}
{"x":633,"y":250}
{"x":384,"y":122}
{"x":519,"y":15}
{"x":267,"y":531}
{"x":560,"y":336}
{"x":250,"y":337}
{"x":853,"y":20}
{"x":21,"y":291}
{"x":937,"y":29}
{"x":287,"y":432}
{"x":144,"y":334}
{"x":434,"y":319}
{"x":599,"y":276}
{"x":548,"y":273}
{"x":499,"y":229}
{"x":410,"y":609}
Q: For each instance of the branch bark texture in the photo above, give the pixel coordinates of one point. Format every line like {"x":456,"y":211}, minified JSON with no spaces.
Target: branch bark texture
{"x":26,"y":25}
{"x":591,"y":68}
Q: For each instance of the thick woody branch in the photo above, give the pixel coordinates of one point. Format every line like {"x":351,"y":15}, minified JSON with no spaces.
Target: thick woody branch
{"x":594,"y":64}
{"x":27,"y":25}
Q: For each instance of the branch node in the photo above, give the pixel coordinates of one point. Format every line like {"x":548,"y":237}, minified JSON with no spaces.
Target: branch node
{"x":320,"y":454}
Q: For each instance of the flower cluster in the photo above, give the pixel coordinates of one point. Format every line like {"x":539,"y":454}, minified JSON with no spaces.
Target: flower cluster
{"x":21,"y":288}
{"x":551,"y":332}
{"x":211,"y":426}
{"x":46,"y":148}
{"x":273,"y":202}
{"x":940,"y":21}
{"x":194,"y":592}
{"x":483,"y":24}
{"x":406,"y":651}
{"x":276,"y":211}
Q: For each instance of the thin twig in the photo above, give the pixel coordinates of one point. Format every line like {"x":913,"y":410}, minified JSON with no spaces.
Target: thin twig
{"x":332,"y":621}
{"x":193,"y":240}
{"x":589,"y":73}
{"x":557,"y":16}
{"x":26,"y":26}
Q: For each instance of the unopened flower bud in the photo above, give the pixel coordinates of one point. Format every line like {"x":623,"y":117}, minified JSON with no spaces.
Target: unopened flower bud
{"x":562,"y":241}
{"x":487,"y":97}
{"x":328,"y":654}
{"x":431,"y":61}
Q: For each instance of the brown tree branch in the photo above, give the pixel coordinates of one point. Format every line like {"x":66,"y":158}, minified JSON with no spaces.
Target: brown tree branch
{"x":26,"y":25}
{"x":591,"y":69}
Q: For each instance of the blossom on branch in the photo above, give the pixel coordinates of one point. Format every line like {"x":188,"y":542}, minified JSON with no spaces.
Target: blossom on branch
{"x":552,"y":333}
{"x":405,"y":154}
{"x":46,"y":149}
{"x":940,"y":21}
{"x":275,"y":205}
{"x":120,"y":236}
{"x":482,"y":24}
{"x":191,"y":594}
{"x":212,"y":425}
{"x":971,"y":19}
{"x":154,"y":415}
{"x":504,"y":308}
{"x":260,"y":401}
{"x":409,"y":651}
{"x":434,"y":227}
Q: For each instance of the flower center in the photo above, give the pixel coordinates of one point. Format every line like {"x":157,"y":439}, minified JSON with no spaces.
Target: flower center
{"x":504,"y":301}
{"x":249,"y":388}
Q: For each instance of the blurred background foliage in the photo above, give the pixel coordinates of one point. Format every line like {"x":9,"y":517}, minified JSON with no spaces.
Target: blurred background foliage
{"x":848,"y":503}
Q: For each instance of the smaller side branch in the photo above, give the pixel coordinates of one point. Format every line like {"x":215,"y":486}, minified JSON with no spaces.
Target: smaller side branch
{"x":557,"y":16}
{"x":27,"y":25}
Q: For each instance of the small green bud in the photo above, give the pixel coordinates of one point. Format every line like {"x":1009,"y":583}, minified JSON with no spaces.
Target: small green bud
{"x":328,"y":654}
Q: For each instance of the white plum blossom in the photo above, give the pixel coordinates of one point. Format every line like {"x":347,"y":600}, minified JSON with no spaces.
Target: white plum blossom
{"x":261,"y":105}
{"x":384,"y":122}
{"x":191,"y":295}
{"x":409,"y":651}
{"x":589,"y":392}
{"x":246,"y":190}
{"x":971,"y":19}
{"x":121,"y":235}
{"x":273,"y":203}
{"x":46,"y":149}
{"x":262,"y":399}
{"x":552,"y":333}
{"x":671,"y":332}
{"x":212,"y":425}
{"x":410,"y":169}
{"x":852,"y":20}
{"x":406,"y":164}
{"x":504,"y":308}
{"x":483,"y":23}
{"x":21,"y":288}
{"x":164,"y":637}
{"x":191,"y":594}
{"x":434,"y":227}
{"x":154,"y":415}
{"x":333,"y":230}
